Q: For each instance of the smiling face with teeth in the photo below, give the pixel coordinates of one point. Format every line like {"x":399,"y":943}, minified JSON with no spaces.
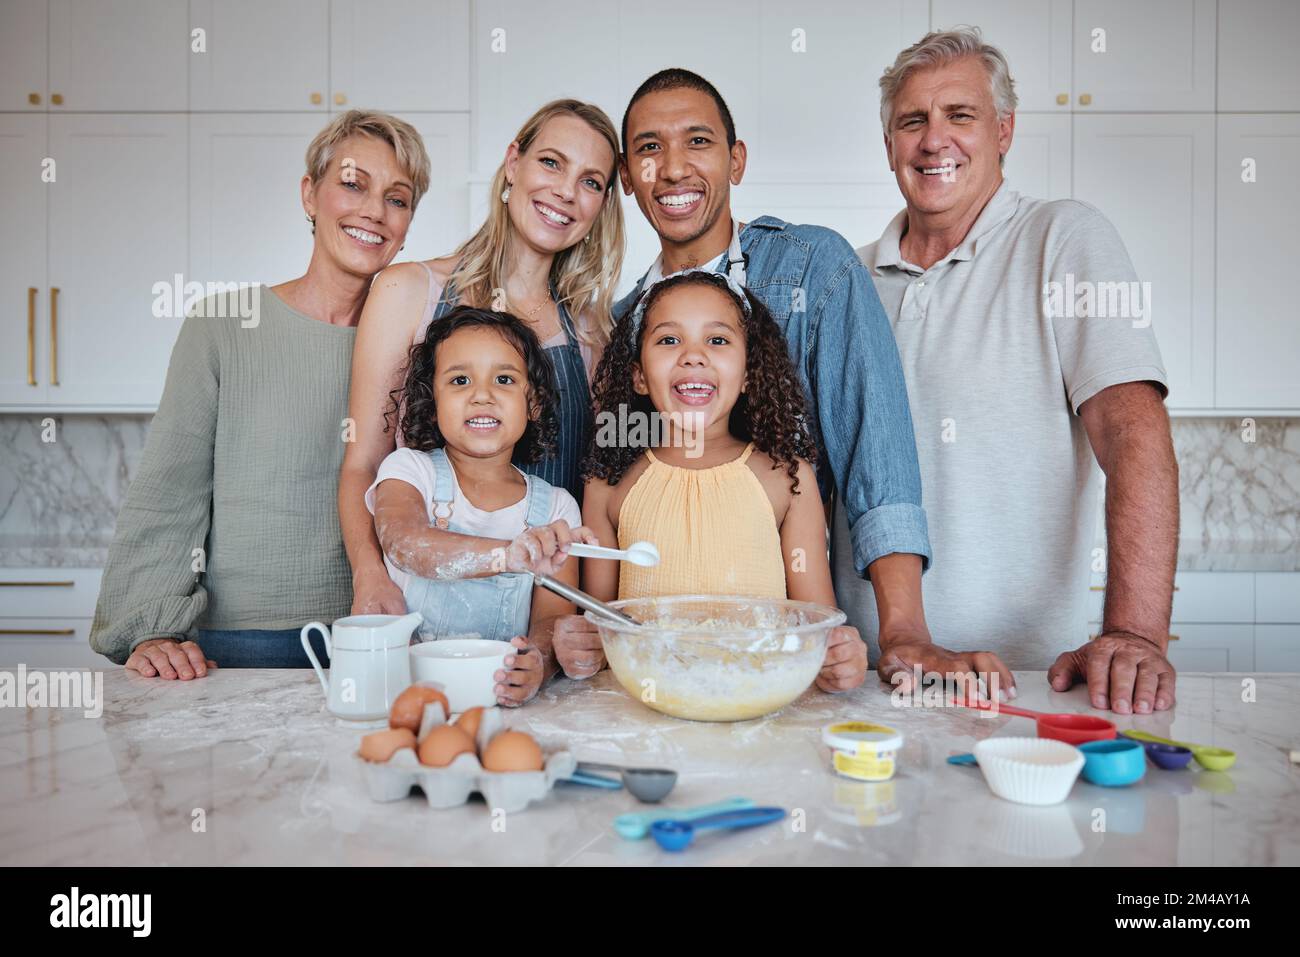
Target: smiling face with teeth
{"x":681,"y":170}
{"x":945,"y":142}
{"x":361,"y":205}
{"x":559,"y":184}
{"x":480,"y":390}
{"x":693,"y":357}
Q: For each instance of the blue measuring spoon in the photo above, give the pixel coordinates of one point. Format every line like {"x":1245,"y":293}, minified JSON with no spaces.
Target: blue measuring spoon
{"x":636,"y":824}
{"x":678,"y":835}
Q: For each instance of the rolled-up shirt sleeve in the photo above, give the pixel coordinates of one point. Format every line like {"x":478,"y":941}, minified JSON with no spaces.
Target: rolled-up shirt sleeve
{"x":866,"y":426}
{"x":151,"y":587}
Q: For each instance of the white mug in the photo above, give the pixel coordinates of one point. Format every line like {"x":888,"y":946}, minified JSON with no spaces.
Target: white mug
{"x":369,"y":663}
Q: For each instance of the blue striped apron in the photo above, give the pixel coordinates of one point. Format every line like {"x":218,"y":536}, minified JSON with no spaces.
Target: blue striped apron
{"x":574,"y":413}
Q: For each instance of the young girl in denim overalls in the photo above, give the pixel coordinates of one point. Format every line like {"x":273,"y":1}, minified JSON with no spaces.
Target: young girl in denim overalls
{"x":478,"y":389}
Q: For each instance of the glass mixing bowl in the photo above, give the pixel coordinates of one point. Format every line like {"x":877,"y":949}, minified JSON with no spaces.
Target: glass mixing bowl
{"x":717,"y":659}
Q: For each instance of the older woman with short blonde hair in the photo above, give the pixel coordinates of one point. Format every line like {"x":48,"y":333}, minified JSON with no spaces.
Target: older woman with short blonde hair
{"x":229,"y":540}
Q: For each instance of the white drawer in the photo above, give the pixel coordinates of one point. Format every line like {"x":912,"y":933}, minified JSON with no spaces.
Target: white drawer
{"x":1212,"y":647}
{"x":1199,"y":597}
{"x":1277,"y":597}
{"x":49,"y":592}
{"x":1277,"y":648}
{"x":41,"y":643}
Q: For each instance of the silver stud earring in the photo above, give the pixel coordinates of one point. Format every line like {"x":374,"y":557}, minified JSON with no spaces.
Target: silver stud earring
{"x":505,"y":193}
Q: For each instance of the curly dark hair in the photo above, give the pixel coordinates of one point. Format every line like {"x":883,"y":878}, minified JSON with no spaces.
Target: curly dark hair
{"x":413,"y":404}
{"x":771,"y":412}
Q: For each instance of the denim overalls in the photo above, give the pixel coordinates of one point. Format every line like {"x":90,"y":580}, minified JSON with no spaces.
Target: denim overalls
{"x":573,"y":415}
{"x":496,"y":607}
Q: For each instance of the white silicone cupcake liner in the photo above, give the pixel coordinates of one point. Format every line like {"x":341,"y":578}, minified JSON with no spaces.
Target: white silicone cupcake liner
{"x":1029,"y":770}
{"x":510,"y":791}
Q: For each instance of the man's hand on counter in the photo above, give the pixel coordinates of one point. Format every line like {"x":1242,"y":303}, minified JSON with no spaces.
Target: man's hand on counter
{"x":845,"y":665}
{"x":1125,"y":672}
{"x":900,"y":659}
{"x":576,"y":646}
{"x":168,"y":658}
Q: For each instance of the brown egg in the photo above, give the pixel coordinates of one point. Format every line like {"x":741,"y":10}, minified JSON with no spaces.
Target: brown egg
{"x":469,"y":722}
{"x":408,"y":709}
{"x":444,"y":744}
{"x":382,"y":745}
{"x":512,"y":751}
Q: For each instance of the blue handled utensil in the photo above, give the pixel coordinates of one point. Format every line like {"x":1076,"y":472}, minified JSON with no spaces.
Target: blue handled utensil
{"x":636,"y":824}
{"x":594,"y":780}
{"x":965,"y":759}
{"x":678,"y":835}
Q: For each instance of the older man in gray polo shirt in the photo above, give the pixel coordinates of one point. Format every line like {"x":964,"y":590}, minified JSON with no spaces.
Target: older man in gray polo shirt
{"x":1026,"y":341}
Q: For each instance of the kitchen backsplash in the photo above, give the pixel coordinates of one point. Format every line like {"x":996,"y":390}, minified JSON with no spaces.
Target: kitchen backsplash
{"x":1240,"y":480}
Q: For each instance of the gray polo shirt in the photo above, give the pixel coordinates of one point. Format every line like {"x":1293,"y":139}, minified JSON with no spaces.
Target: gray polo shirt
{"x":1036,"y":311}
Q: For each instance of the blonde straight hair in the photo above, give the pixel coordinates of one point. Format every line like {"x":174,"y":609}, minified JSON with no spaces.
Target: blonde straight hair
{"x":586,"y":273}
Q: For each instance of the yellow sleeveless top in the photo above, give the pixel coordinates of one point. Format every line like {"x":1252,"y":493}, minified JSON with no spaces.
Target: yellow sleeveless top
{"x":714,"y":529}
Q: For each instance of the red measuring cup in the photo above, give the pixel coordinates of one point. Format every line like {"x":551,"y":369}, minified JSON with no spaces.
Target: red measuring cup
{"x":1070,"y":728}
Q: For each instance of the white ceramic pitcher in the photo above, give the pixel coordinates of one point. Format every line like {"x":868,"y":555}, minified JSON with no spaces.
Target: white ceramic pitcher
{"x":370,"y":664}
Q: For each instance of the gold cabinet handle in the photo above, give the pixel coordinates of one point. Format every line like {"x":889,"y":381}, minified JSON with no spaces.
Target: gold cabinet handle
{"x":34,"y":99}
{"x":36,"y":584}
{"x":1173,"y":637}
{"x":315,"y":98}
{"x":38,"y":631}
{"x":340,"y":99}
{"x":1062,"y":99}
{"x":54,"y":335}
{"x":57,"y":99}
{"x":31,"y":335}
{"x":1085,"y":99}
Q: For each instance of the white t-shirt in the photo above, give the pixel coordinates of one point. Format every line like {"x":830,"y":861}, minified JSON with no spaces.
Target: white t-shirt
{"x":416,"y":469}
{"x":995,"y":377}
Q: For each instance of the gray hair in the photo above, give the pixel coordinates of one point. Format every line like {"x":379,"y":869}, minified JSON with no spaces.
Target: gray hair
{"x":940,"y":49}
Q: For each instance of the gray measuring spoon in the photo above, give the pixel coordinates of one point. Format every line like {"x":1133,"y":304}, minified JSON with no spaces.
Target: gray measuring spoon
{"x":647,"y":785}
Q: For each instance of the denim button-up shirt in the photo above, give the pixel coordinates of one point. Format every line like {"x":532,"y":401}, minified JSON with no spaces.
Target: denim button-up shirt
{"x":841,"y":342}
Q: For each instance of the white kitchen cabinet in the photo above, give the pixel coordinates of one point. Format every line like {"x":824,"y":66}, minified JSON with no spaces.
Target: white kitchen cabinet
{"x":261,"y":56}
{"x":1277,"y":648}
{"x":48,"y":643}
{"x":1159,"y":55}
{"x":1212,"y":647}
{"x":399,"y":55}
{"x":1258,"y":328}
{"x":441,"y":221}
{"x":246,"y":218}
{"x":1153,"y":177}
{"x":1038,"y":163}
{"x":1277,"y":597}
{"x":806,"y":103}
{"x":1258,"y":67}
{"x":24,"y":291}
{"x":1036,"y":37}
{"x":514,"y":52}
{"x":24,"y":56}
{"x":117,"y":55}
{"x":49,"y":592}
{"x":1226,"y":597}
{"x":117,"y":227}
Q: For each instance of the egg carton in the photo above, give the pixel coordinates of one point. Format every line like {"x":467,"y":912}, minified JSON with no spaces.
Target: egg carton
{"x":511,"y":791}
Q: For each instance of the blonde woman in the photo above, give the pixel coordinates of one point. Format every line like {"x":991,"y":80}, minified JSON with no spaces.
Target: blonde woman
{"x":228,"y":542}
{"x":549,"y":252}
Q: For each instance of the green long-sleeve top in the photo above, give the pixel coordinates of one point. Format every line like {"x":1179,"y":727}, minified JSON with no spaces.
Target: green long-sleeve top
{"x":242,"y":462}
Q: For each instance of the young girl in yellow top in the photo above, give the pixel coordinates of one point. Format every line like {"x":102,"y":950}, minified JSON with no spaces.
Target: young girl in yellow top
{"x":728,"y":496}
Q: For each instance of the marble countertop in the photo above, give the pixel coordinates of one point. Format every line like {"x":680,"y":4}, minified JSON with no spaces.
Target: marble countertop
{"x":46,"y":551}
{"x":245,"y":767}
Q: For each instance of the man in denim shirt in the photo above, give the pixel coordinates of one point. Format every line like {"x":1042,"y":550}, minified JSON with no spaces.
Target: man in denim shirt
{"x":680,"y":158}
